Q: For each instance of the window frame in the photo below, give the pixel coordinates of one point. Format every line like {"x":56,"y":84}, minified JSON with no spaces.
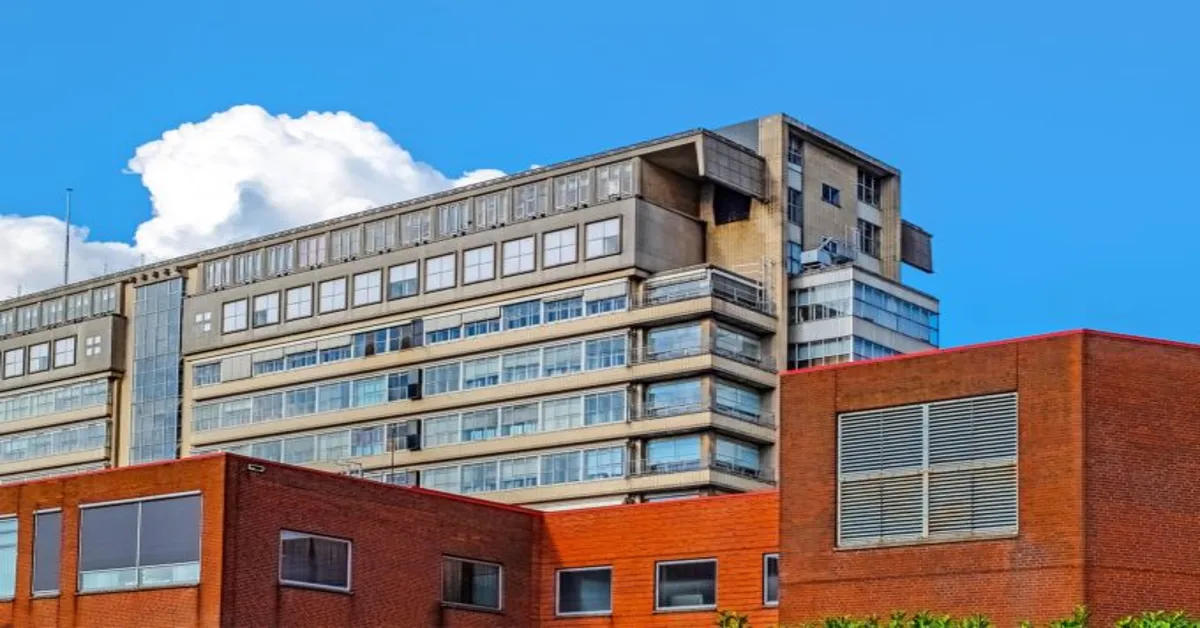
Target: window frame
{"x":74,"y":340}
{"x":366,"y":289}
{"x":344,"y":298}
{"x":658,"y":565}
{"x":574,"y":246}
{"x":558,"y":612}
{"x":517,"y":242}
{"x":283,"y":582}
{"x":499,"y":608}
{"x":19,"y":363}
{"x":489,"y":263}
{"x":587,"y":239}
{"x":416,"y":279}
{"x":767,"y":558}
{"x":272,"y":305}
{"x":245,"y":316}
{"x":453,"y":272}
{"x":140,"y":501}
{"x":29,"y":358}
{"x":831,"y":195}
{"x":287,"y":297}
{"x":34,"y":592}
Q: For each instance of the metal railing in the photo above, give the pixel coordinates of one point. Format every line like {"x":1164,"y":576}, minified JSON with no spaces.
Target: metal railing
{"x":644,"y":413}
{"x":705,"y":283}
{"x":643,"y":355}
{"x":641,"y":468}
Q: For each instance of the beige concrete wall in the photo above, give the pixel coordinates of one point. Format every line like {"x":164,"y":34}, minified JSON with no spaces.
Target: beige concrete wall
{"x":111,"y":331}
{"x":669,"y":189}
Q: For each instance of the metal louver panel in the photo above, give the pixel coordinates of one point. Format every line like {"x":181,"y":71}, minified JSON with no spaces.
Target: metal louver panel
{"x":973,"y":501}
{"x":973,"y":429}
{"x":881,"y":509}
{"x":881,"y":439}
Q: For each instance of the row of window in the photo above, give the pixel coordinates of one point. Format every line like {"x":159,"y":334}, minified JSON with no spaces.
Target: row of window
{"x":495,"y":209}
{"x":514,"y":366}
{"x":59,"y":310}
{"x":442,"y":328}
{"x":39,"y":357}
{"x":479,"y":264}
{"x":867,"y":302}
{"x":54,"y":442}
{"x":835,"y":351}
{"x":54,"y":400}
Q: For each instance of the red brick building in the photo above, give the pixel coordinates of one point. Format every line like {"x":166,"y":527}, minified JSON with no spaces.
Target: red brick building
{"x":1015,"y":479}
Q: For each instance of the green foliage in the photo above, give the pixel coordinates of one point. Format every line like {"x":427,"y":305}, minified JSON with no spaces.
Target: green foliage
{"x":1079,"y":618}
{"x":732,"y":619}
{"x":1159,"y":619}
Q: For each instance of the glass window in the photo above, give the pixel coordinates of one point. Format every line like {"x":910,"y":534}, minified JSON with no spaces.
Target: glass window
{"x":517,"y":420}
{"x":490,"y":209}
{"x":870,"y":188}
{"x":479,"y":477}
{"x":771,"y":579}
{"x":14,"y":362}
{"x":738,"y":401}
{"x":233,"y":316}
{"x":368,"y":288}
{"x":518,"y":473}
{"x":311,"y":251}
{"x":558,"y":247}
{"x":440,"y":479}
{"x":140,"y":544}
{"x":301,"y":359}
{"x":584,"y":591}
{"x":8,"y":558}
{"x":402,"y":281}
{"x":441,"y":379}
{"x":479,"y":264}
{"x":870,"y":238}
{"x":564,"y":309}
{"x":736,"y":344}
{"x":604,"y":306}
{"x":520,"y":366}
{"x":299,"y":302}
{"x":370,"y":391}
{"x":481,"y":373}
{"x":47,"y":553}
{"x":345,"y":243}
{"x":380,"y":235}
{"x":453,"y":218}
{"x":524,"y":314}
{"x":279,"y":258}
{"x":603,"y":353}
{"x":614,"y":181}
{"x":440,"y":431}
{"x":607,"y":407}
{"x":52,"y":312}
{"x":673,"y":454}
{"x":560,"y":414}
{"x":531,"y":200}
{"x":79,"y":305}
{"x":104,"y":300}
{"x":440,"y":273}
{"x":831,"y":195}
{"x":738,"y":456}
{"x":7,"y":322}
{"x":795,"y":206}
{"x":572,"y":190}
{"x":795,"y":259}
{"x":599,"y":464}
{"x":307,"y":560}
{"x":266,"y":309}
{"x":64,"y":352}
{"x":27,"y":317}
{"x":471,"y":583}
{"x":300,"y":402}
{"x":332,"y":295}
{"x":206,"y":374}
{"x":671,"y":398}
{"x":479,"y":425}
{"x":416,"y":227}
{"x":39,"y":357}
{"x":562,"y":359}
{"x":686,"y":584}
{"x":604,"y":238}
{"x":561,"y":468}
{"x":479,"y":328}
{"x":518,"y":256}
{"x":666,"y":343}
{"x":795,"y":150}
{"x":443,"y":335}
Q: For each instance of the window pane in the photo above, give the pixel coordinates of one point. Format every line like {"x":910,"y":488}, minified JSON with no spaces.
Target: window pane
{"x":471,"y":583}
{"x":108,"y":547}
{"x":685,"y":585}
{"x":170,"y":531}
{"x":8,"y":558}
{"x":314,"y":560}
{"x":585,"y":591}
{"x":47,"y":548}
{"x":771,"y":580}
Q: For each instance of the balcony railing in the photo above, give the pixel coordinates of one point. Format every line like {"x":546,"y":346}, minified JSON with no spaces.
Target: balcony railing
{"x":640,"y":468}
{"x":762,"y":417}
{"x":643,"y":355}
{"x":708,"y":282}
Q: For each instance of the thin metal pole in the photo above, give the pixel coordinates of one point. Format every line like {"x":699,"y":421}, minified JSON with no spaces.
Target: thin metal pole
{"x":67,"y":246}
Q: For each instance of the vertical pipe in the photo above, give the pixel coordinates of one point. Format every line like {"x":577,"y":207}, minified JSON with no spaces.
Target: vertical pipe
{"x":67,"y":243}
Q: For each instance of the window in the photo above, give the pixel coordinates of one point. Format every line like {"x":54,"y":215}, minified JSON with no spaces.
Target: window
{"x":729,"y":205}
{"x":233,"y":316}
{"x":608,"y":407}
{"x":478,"y":478}
{"x":490,"y":209}
{"x":795,"y":150}
{"x":558,"y":247}
{"x":14,"y":363}
{"x":479,"y":264}
{"x":819,"y":352}
{"x":441,"y":379}
{"x":606,"y":305}
{"x":685,"y":585}
{"x":572,"y":190}
{"x":445,"y":334}
{"x":945,"y":470}
{"x":472,"y":583}
{"x":104,"y":300}
{"x":604,"y":238}
{"x":562,"y":359}
{"x":380,"y":235}
{"x":870,"y":237}
{"x":140,"y":544}
{"x":518,"y":256}
{"x":415,"y":228}
{"x":439,"y":273}
{"x":831,"y":195}
{"x":344,"y":243}
{"x":64,"y":352}
{"x":481,"y":373}
{"x":736,"y":456}
{"x":522,"y":419}
{"x":560,"y":468}
{"x":52,"y":312}
{"x":245,"y":267}
{"x":673,"y":397}
{"x":92,"y":346}
{"x":479,"y":425}
{"x":202,"y":323}
{"x":266,"y":309}
{"x":564,"y":309}
{"x":771,"y":579}
{"x":614,"y":180}
{"x":27,"y":317}
{"x":522,"y":365}
{"x":518,"y":473}
{"x":795,"y":260}
{"x":795,"y":206}
{"x":890,"y":311}
{"x":585,"y":591}
{"x":78,"y":306}
{"x":7,"y":324}
{"x":608,"y":462}
{"x":440,"y":431}
{"x":603,"y":353}
{"x":402,"y":281}
{"x":530,"y":200}
{"x":737,"y":401}
{"x":737,"y":345}
{"x":47,"y":551}
{"x":679,"y":453}
{"x":368,"y":288}
{"x":307,"y":560}
{"x":524,"y":314}
{"x":311,"y":251}
{"x":299,"y":302}
{"x":278,"y":258}
{"x":206,"y":374}
{"x":39,"y":357}
{"x":818,"y":303}
{"x":481,"y":327}
{"x":665,"y":343}
{"x":870,"y":188}
{"x":560,"y":414}
{"x":8,"y":558}
{"x":332,"y":295}
{"x":453,"y":219}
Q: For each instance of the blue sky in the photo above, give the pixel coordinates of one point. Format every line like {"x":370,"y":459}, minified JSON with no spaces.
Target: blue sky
{"x":1051,"y":147}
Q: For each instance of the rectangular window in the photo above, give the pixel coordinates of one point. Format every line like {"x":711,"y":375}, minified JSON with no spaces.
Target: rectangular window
{"x":818,"y":303}
{"x":614,"y":181}
{"x":870,"y":188}
{"x":307,"y":560}
{"x":606,"y":305}
{"x":27,"y":317}
{"x":332,"y":295}
{"x":8,"y":558}
{"x":481,"y":373}
{"x":416,"y":227}
{"x":14,"y":363}
{"x":737,"y":401}
{"x":233,"y":316}
{"x":668,"y":343}
{"x":64,"y":352}
{"x":603,"y":238}
{"x":478,"y":478}
{"x":870,"y":237}
{"x":78,"y":306}
{"x":819,"y":352}
{"x":561,"y":414}
{"x":945,"y":470}
{"x":440,"y":431}
{"x":736,"y":456}
{"x":402,"y":281}
{"x":564,"y":309}
{"x":279,"y":258}
{"x":311,"y":251}
{"x":771,"y":580}
{"x":472,"y":583}
{"x":47,"y":552}
{"x":524,"y":314}
{"x":795,"y":260}
{"x":206,"y":374}
{"x":562,"y":359}
{"x":442,"y":335}
{"x":266,"y":309}
{"x":104,"y":300}
{"x":520,"y":366}
{"x":380,"y":235}
{"x":795,"y":206}
{"x":299,"y":302}
{"x":608,"y":407}
{"x":795,"y":151}
{"x":831,"y":195}
{"x":603,"y":353}
{"x":368,"y":288}
{"x":518,"y":473}
{"x":481,"y":327}
{"x":140,"y":544}
{"x":479,"y":425}
{"x":479,"y":264}
{"x":440,"y":273}
{"x":685,"y":585}
{"x":530,"y":201}
{"x":345,"y":243}
{"x":245,"y":267}
{"x":673,"y":397}
{"x":518,"y":256}
{"x":39,"y":357}
{"x":572,"y":190}
{"x":453,"y":218}
{"x":7,"y":324}
{"x":558,"y":247}
{"x":561,"y":468}
{"x":608,"y":462}
{"x":679,"y":453}
{"x":52,"y":312}
{"x":441,"y":379}
{"x":517,"y":420}
{"x":491,"y":209}
{"x":585,"y":591}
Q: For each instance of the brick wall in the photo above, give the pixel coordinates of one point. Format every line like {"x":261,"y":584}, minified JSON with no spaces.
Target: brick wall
{"x":1037,"y":575}
{"x":737,"y":530}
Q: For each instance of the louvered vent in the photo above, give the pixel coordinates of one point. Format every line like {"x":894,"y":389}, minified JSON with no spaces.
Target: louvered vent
{"x":973,"y":500}
{"x":883,"y":508}
{"x":973,"y":429}
{"x":880,"y":440}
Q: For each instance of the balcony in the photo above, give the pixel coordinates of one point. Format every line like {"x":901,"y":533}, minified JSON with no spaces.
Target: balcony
{"x":649,"y":355}
{"x":641,"y":468}
{"x":705,"y":282}
{"x":761,"y":418}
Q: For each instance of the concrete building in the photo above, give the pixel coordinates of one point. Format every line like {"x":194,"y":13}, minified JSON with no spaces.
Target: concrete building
{"x":603,"y":330}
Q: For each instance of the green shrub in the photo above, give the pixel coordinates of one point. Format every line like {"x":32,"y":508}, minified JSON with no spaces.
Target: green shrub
{"x":1079,"y":618}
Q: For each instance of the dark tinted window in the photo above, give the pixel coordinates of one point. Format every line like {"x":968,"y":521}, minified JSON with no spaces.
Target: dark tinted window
{"x":583,"y":591}
{"x":771,"y":580}
{"x":314,"y":560}
{"x":108,"y":537}
{"x":691,"y":584}
{"x":471,"y":583}
{"x":170,"y":531}
{"x":47,"y":549}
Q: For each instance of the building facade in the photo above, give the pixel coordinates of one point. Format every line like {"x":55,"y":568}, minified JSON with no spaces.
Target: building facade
{"x":604,"y":330}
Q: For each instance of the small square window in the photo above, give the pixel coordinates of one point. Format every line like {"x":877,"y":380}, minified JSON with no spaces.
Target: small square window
{"x":233,"y":316}
{"x":831,"y":195}
{"x":604,"y":238}
{"x":440,"y":273}
{"x":91,"y":346}
{"x":518,"y":256}
{"x":332,"y":295}
{"x":479,"y":264}
{"x":368,"y":288}
{"x":266,"y":309}
{"x":558,"y":247}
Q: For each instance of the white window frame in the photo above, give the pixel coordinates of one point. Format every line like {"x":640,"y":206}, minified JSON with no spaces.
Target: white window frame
{"x":561,"y":248}
{"x":403,"y":269}
{"x":603,"y":227}
{"x":305,"y":303}
{"x":311,"y":585}
{"x":767,"y":558}
{"x":312,"y":252}
{"x":235,"y":317}
{"x":371,"y":292}
{"x":481,"y":269}
{"x":558,"y":591}
{"x":58,"y":344}
{"x":699,"y":607}
{"x":321,"y":296}
{"x":272,"y":305}
{"x":519,"y":259}
{"x":441,"y":272}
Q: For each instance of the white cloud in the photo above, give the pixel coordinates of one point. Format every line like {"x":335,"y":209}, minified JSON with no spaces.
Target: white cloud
{"x":241,"y":173}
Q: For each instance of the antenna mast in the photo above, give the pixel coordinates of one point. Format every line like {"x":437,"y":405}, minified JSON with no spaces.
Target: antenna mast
{"x":67,"y":245}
